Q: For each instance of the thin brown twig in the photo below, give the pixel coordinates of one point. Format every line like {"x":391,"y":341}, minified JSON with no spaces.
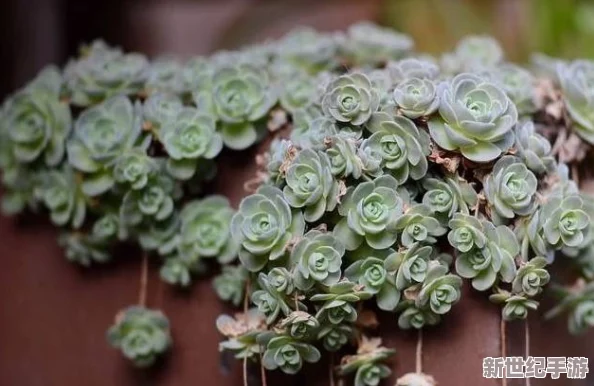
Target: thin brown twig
{"x":527,"y":345}
{"x":143,"y":280}
{"x":262,"y":370}
{"x":245,"y":380}
{"x":419,"y":354}
{"x":503,"y":334}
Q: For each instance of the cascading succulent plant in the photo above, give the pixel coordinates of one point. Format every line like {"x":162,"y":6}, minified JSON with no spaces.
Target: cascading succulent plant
{"x":141,"y":334}
{"x":390,"y":153}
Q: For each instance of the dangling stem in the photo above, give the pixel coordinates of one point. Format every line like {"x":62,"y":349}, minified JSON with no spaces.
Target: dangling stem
{"x":143,"y":280}
{"x":262,"y":370}
{"x":246,"y":297}
{"x":503,"y":334}
{"x":419,"y":356}
{"x":245,"y":380}
{"x":527,"y":344}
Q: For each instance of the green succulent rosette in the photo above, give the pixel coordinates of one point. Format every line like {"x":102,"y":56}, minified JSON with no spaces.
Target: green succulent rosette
{"x":317,"y":258}
{"x":403,"y":148}
{"x":350,"y":98}
{"x":141,"y":334}
{"x":103,"y":72}
{"x":564,"y":221}
{"x":84,"y":249}
{"x":416,"y":97}
{"x":534,"y":149}
{"x":531,"y":277}
{"x":242,"y":333}
{"x":439,"y":290}
{"x":308,"y":50}
{"x":300,"y":325}
{"x":287,"y":354}
{"x":518,"y":83}
{"x":476,"y":117}
{"x":375,"y":279}
{"x":343,"y":157}
{"x":510,"y":190}
{"x":230,"y":284}
{"x":160,"y":109}
{"x":369,"y":212}
{"x":242,"y":95}
{"x":310,"y":185}
{"x":263,"y":226}
{"x":449,"y":195}
{"x":338,"y":302}
{"x":164,"y":75}
{"x":410,"y":265}
{"x":37,"y":121}
{"x":335,"y":337}
{"x":415,"y":317}
{"x":515,"y":307}
{"x":101,"y":134}
{"x":577,"y":83}
{"x":418,"y":224}
{"x":412,"y":68}
{"x":134,"y":168}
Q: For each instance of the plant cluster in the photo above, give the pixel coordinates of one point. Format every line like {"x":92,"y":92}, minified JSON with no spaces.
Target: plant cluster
{"x":393,"y":178}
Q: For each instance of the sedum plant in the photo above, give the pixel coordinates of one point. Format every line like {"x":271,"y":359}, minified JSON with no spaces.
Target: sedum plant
{"x":391,"y":179}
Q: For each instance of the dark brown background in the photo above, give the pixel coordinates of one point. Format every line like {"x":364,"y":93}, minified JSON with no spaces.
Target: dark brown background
{"x":53,"y":315}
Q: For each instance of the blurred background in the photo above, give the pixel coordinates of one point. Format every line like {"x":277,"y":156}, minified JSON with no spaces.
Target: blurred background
{"x":36,"y":32}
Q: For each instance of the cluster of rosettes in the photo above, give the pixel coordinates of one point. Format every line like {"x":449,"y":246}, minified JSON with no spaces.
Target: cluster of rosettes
{"x":407,"y":177}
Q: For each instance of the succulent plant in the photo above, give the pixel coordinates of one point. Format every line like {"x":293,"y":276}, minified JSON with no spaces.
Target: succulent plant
{"x":317,"y":258}
{"x":417,"y":224}
{"x":533,"y":149}
{"x":164,"y":75}
{"x":510,"y":189}
{"x":103,"y":72}
{"x":516,"y":306}
{"x":402,"y":146}
{"x":449,"y":195}
{"x":160,"y":109}
{"x":564,"y":221}
{"x":369,"y":212}
{"x":101,"y":133}
{"x":263,"y":227}
{"x":310,"y":185}
{"x":230,"y":284}
{"x":141,"y":334}
{"x":531,"y":277}
{"x":518,"y":84}
{"x":134,"y":168}
{"x":63,"y":197}
{"x":334,"y":337}
{"x":337,"y":307}
{"x":190,"y":137}
{"x":350,"y":98}
{"x":366,"y":364}
{"x":242,"y":333}
{"x":412,"y":68}
{"x":478,"y":51}
{"x":576,"y":80}
{"x":242,"y":95}
{"x":416,"y":97}
{"x":300,"y":325}
{"x":83,"y":249}
{"x":410,"y":265}
{"x":342,"y":154}
{"x":288,"y":354}
{"x":38,"y":121}
{"x":476,"y":118}
{"x":440,"y":290}
{"x":467,"y":232}
{"x":375,"y":279}
{"x":366,"y":42}
{"x":299,"y":91}
{"x":417,"y":318}
{"x":176,"y":271}
{"x":308,"y":50}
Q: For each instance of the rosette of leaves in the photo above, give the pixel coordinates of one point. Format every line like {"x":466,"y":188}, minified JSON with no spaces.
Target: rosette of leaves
{"x":177,"y":271}
{"x":196,"y":73}
{"x":316,"y":133}
{"x":317,"y":258}
{"x":63,"y":197}
{"x":533,"y":149}
{"x":309,"y":50}
{"x":103,"y":72}
{"x":205,"y":230}
{"x":369,"y":212}
{"x":416,"y":97}
{"x":160,"y":109}
{"x":518,"y":83}
{"x":410,"y":265}
{"x":134,"y":168}
{"x":286,"y":353}
{"x":84,"y":249}
{"x":298,"y":92}
{"x":191,"y":137}
{"x":368,"y":43}
{"x":577,"y":83}
{"x":310,"y":185}
{"x":141,"y":334}
{"x":280,"y":155}
{"x":106,"y":227}
{"x":478,"y":51}
{"x":515,"y":306}
{"x":564,"y":221}
{"x":164,"y":75}
{"x":155,"y":202}
{"x":334,"y":337}
{"x":101,"y":134}
{"x":342,"y":154}
{"x":38,"y":122}
{"x":476,"y":117}
{"x":338,"y":302}
{"x":242,"y":95}
{"x":531,"y":277}
{"x":439,"y":290}
{"x":403,"y":147}
{"x":242,"y":333}
{"x":449,"y":195}
{"x":409,"y":68}
{"x":366,"y":364}
{"x":418,"y":224}
{"x":414,"y":317}
{"x":263,"y":227}
{"x":371,"y":160}
{"x":161,"y":236}
{"x":466,"y":232}
{"x":510,"y":190}
{"x":300,"y":325}
{"x":350,"y":98}
{"x":230,"y":284}
{"x":375,"y":279}
{"x":272,"y":297}
{"x":578,"y":302}
{"x":484,"y":264}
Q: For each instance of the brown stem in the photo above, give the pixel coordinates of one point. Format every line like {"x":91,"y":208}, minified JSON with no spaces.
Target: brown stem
{"x":262,"y":370}
{"x":143,"y":280}
{"x":246,"y":297}
{"x":503,"y":335}
{"x":527,"y":344}
{"x":419,"y":354}
{"x":245,"y":380}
